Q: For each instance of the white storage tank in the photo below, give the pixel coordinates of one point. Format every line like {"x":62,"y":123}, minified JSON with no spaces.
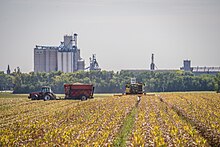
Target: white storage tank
{"x":65,"y":61}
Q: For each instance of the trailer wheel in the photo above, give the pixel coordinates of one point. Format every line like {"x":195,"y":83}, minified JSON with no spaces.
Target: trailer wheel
{"x":46,"y":97}
{"x":83,"y":98}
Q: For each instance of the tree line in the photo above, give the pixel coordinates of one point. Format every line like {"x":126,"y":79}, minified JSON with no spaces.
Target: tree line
{"x":109,"y":81}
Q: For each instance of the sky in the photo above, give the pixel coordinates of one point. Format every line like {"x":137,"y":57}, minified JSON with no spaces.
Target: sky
{"x":122,"y":33}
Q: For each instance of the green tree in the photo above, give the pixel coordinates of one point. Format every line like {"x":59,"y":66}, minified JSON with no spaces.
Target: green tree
{"x":217,"y":82}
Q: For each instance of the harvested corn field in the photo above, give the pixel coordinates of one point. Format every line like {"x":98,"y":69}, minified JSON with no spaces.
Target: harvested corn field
{"x":166,"y":119}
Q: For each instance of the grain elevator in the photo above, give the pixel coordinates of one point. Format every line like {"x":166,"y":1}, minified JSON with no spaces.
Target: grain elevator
{"x":65,"y":58}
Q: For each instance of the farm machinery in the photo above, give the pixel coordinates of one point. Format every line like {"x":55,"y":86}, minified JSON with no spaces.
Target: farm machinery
{"x":78,"y":91}
{"x":45,"y":93}
{"x":71,"y":91}
{"x":134,"y":87}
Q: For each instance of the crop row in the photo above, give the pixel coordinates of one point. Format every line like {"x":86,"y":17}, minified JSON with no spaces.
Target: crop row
{"x":171,"y":119}
{"x":159,"y":125}
{"x":16,"y":110}
{"x":201,"y":110}
{"x":93,"y":122}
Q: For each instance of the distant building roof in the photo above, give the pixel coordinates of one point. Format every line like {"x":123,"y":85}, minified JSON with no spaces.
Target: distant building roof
{"x":145,"y":70}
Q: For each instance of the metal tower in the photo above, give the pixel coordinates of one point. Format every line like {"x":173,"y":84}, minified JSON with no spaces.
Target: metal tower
{"x":152,"y":65}
{"x":8,"y":70}
{"x":93,"y":65}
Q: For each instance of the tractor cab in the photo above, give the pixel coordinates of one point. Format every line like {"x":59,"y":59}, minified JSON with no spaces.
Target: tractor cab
{"x":45,"y":89}
{"x":45,"y":93}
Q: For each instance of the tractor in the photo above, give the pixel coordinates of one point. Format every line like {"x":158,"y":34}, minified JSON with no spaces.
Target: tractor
{"x":71,"y":91}
{"x":45,"y":93}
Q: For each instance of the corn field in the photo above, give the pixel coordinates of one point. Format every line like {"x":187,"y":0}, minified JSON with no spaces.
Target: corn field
{"x":164,"y":119}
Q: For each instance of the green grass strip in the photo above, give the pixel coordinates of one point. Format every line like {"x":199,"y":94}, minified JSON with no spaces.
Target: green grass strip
{"x":126,"y":129}
{"x":10,"y":95}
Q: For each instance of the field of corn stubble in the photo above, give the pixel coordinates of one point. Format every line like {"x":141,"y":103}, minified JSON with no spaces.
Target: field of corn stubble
{"x":166,"y":119}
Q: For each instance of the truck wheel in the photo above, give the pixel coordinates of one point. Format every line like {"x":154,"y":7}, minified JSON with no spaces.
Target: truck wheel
{"x":46,"y":97}
{"x":83,"y":98}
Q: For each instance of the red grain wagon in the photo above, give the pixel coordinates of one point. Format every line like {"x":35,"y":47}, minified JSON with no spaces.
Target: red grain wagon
{"x":78,"y":91}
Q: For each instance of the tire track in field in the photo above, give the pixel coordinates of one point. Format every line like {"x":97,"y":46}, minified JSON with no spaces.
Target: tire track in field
{"x":209,"y":104}
{"x":212,"y":136}
{"x":126,"y":129}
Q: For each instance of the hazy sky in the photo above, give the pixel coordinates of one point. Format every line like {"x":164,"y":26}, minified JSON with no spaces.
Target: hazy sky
{"x":122,"y":33}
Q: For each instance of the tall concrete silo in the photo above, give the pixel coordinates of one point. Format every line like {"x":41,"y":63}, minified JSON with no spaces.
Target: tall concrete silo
{"x":64,"y":57}
{"x":69,"y":55}
{"x":65,"y":61}
{"x":45,"y":59}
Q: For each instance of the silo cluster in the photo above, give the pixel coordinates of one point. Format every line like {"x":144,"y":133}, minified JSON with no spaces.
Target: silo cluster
{"x":65,"y":58}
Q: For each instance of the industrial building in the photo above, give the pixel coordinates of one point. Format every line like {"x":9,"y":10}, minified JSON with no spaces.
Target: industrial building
{"x":45,"y":59}
{"x":186,"y":67}
{"x":68,"y":56}
{"x":65,"y":58}
{"x":93,"y":63}
{"x":199,"y":70}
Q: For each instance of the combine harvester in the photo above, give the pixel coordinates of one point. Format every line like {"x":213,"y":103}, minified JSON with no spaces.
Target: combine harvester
{"x":71,"y":91}
{"x":134,"y":88}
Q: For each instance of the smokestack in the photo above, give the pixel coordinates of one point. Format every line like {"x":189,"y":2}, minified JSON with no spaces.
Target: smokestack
{"x":75,"y":39}
{"x":152,"y":65}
